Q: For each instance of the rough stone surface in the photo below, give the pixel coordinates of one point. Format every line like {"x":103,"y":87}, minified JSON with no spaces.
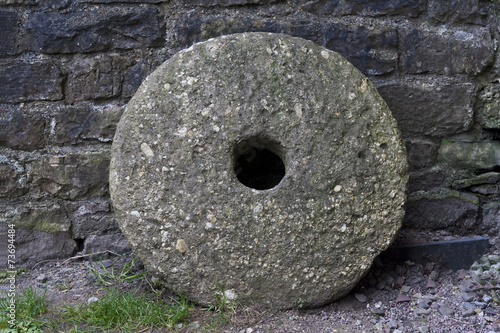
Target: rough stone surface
{"x":430,"y":51}
{"x":27,"y":81}
{"x":93,"y":30}
{"x":443,"y":209}
{"x":478,"y":156}
{"x":411,"y":8}
{"x":312,"y":234}
{"x":8,"y":38}
{"x":438,"y":107}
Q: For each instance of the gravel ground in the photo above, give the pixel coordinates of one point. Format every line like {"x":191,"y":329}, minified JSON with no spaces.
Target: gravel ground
{"x":405,"y":297}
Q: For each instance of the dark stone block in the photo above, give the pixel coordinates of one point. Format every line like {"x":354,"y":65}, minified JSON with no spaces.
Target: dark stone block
{"x":75,"y":124}
{"x":211,"y":3}
{"x":9,"y":35}
{"x":422,"y":152}
{"x":426,"y":181}
{"x":436,"y":108}
{"x":91,"y":218}
{"x":447,"y":51}
{"x":94,"y":30}
{"x":452,"y":210}
{"x":20,"y":129}
{"x":410,"y":8}
{"x":460,"y":11}
{"x":191,"y":28}
{"x":373,"y":50}
{"x":23,"y":81}
{"x":78,"y":175}
{"x":105,"y":76}
{"x":13,"y":179}
{"x":455,"y":254}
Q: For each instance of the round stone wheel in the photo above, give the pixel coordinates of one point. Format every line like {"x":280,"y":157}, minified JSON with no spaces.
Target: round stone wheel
{"x":261,"y":168}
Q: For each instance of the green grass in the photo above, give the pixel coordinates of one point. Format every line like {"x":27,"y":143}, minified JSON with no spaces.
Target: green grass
{"x":115,"y":276}
{"x":127,"y":312}
{"x":31,"y":305}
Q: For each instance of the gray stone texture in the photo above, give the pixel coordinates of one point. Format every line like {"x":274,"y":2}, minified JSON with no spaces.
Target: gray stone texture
{"x":444,"y":209}
{"x":439,"y":50}
{"x":9,"y":29}
{"x":196,"y":226}
{"x":410,"y":8}
{"x":438,"y":107}
{"x":118,"y":27}
{"x":22,"y":81}
{"x":67,"y":68}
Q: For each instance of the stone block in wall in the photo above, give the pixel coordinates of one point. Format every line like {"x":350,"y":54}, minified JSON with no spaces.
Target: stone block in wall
{"x":490,"y":216}
{"x":191,"y":28}
{"x":429,"y":106}
{"x":72,"y":124}
{"x":426,"y":180}
{"x":27,"y":81}
{"x":460,"y":11}
{"x":103,"y":28}
{"x":13,"y":178}
{"x":42,"y":231}
{"x":9,"y":35}
{"x":115,"y":242}
{"x":211,"y":3}
{"x":74,"y":174}
{"x":422,"y":152}
{"x":104,"y":76}
{"x":372,"y":48}
{"x":91,"y":217}
{"x":35,"y":245}
{"x":410,"y":8}
{"x":441,"y":210}
{"x":488,"y":115}
{"x":472,"y":156}
{"x":21,"y":128}
{"x":446,"y":51}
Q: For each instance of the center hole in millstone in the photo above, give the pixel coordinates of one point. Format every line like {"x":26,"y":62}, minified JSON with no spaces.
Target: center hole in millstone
{"x":258,"y":165}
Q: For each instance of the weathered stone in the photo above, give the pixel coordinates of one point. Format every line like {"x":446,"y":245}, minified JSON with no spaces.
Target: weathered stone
{"x":91,"y":218}
{"x":425,"y":181}
{"x":485,"y":178}
{"x":460,"y":11}
{"x":489,"y":189}
{"x":9,"y":35}
{"x":444,"y":209}
{"x":372,"y":48}
{"x":75,"y":124}
{"x":94,"y":30}
{"x":436,"y":108}
{"x":21,"y":128}
{"x":191,"y":28}
{"x":13,"y":180}
{"x":490,"y":221}
{"x":422,"y":152}
{"x":72,"y":175}
{"x":25,"y":81}
{"x":489,"y":112}
{"x":482,"y":156}
{"x":34,"y":245}
{"x":114,"y":242}
{"x":45,"y":216}
{"x":446,"y":51}
{"x":211,"y":3}
{"x":411,"y":8}
{"x":271,"y":158}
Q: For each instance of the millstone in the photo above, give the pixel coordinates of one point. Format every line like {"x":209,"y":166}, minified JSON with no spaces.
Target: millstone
{"x":261,"y":166}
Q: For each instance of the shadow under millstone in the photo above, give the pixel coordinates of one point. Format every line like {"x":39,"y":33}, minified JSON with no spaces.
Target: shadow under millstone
{"x":455,"y":254}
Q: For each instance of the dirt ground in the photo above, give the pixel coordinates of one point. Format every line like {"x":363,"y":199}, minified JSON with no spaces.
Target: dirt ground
{"x":392,"y":297}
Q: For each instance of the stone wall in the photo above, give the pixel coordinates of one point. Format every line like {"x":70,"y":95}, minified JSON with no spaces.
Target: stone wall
{"x":68,"y":68}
